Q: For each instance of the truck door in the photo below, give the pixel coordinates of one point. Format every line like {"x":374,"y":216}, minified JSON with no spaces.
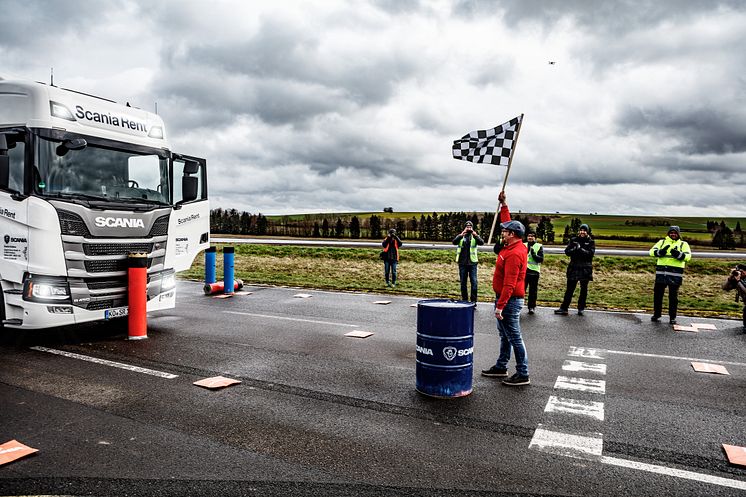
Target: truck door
{"x":189,"y":226}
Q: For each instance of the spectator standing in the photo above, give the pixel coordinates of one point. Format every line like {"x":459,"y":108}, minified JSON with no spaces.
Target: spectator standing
{"x":581,"y":250}
{"x":533,"y":269}
{"x":672,"y":254}
{"x":466,"y":256}
{"x":737,"y":281}
{"x":390,"y":256}
{"x":508,"y":282}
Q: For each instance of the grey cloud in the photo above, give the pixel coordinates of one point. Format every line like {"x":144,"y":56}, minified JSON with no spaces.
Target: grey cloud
{"x":35,"y":23}
{"x":698,"y":131}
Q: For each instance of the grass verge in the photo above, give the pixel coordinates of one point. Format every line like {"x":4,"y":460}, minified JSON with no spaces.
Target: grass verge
{"x":620,"y":283}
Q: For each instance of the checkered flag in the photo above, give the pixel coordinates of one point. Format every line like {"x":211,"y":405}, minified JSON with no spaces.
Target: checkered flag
{"x":489,"y":146}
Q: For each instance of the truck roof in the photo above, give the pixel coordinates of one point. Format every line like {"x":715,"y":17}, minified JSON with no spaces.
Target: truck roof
{"x":37,"y":105}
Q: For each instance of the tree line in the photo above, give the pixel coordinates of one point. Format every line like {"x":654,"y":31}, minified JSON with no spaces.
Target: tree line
{"x":433,"y":227}
{"x":430,"y":227}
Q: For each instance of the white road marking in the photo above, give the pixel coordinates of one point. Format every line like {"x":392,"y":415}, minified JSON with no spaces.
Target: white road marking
{"x":677,"y":473}
{"x":657,"y":356}
{"x":290,"y":319}
{"x":566,"y":444}
{"x":572,"y":406}
{"x":581,"y":384}
{"x":589,"y":367}
{"x":586,"y":353}
{"x":104,"y":362}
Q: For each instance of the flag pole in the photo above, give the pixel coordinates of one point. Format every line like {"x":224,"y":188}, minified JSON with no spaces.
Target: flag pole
{"x":505,"y":180}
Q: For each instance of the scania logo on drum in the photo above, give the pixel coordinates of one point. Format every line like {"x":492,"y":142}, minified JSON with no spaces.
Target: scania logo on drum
{"x":425,"y":351}
{"x":119,"y":222}
{"x":451,"y":352}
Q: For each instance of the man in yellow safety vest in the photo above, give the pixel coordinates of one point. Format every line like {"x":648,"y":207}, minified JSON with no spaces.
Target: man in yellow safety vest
{"x":672,"y":254}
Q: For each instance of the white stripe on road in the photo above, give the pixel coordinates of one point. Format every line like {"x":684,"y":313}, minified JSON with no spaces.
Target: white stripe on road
{"x":291,"y":319}
{"x":678,"y":473}
{"x":573,"y":406}
{"x":581,"y":384}
{"x":657,"y":356}
{"x":588,"y":367}
{"x":586,"y":353}
{"x":566,"y":444}
{"x":104,"y":362}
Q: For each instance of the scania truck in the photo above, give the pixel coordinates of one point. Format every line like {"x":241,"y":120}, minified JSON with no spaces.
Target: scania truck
{"x":84,"y":182}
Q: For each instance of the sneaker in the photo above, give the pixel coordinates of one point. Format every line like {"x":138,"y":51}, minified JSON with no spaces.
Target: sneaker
{"x":561,"y":312}
{"x":672,"y":321}
{"x":495,"y":372}
{"x":388,"y":284}
{"x":530,"y":310}
{"x":655,"y":318}
{"x":517,"y":380}
{"x":580,"y":312}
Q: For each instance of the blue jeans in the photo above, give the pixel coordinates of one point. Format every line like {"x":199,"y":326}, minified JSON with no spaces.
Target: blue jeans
{"x":389,"y":267}
{"x":510,"y":337}
{"x":470,"y":272}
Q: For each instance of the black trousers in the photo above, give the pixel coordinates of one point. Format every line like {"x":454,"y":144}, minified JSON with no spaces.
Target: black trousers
{"x":673,"y":299}
{"x":532,"y":288}
{"x":571,"y":285}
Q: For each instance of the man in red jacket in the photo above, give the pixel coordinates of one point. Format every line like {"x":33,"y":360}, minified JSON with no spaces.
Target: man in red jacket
{"x":509,"y":284}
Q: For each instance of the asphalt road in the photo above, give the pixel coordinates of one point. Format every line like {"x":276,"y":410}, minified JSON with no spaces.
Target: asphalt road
{"x":614,"y":407}
{"x":721,"y":254}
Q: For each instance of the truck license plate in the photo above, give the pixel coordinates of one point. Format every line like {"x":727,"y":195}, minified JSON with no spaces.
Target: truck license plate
{"x":117,"y":312}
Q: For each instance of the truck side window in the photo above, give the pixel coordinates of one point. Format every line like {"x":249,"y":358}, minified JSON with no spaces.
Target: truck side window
{"x":16,"y":153}
{"x":178,"y":174}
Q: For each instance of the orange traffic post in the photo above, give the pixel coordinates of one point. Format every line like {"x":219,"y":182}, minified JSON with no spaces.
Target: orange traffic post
{"x":137,"y":296}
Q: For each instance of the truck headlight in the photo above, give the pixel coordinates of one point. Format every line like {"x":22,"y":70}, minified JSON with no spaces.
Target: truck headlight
{"x":45,"y":290}
{"x":168,"y":282}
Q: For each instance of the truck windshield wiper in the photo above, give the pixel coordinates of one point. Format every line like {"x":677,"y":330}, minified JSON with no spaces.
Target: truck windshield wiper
{"x":135,"y":200}
{"x":76,"y":195}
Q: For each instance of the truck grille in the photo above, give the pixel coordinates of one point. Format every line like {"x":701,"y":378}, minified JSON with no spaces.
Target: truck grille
{"x":116,"y":248}
{"x":103,"y":284}
{"x":109,"y":266}
{"x":100,"y":305}
{"x":160,"y":227}
{"x":72,"y":224}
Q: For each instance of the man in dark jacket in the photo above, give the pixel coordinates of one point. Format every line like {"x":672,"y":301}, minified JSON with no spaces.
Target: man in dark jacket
{"x":581,"y":250}
{"x":737,"y":281}
{"x":390,"y":256}
{"x":466,"y":256}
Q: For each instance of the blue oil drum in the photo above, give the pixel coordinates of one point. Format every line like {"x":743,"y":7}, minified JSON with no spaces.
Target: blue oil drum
{"x":445,"y":347}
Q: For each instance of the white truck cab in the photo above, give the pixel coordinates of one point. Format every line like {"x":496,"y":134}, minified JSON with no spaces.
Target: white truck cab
{"x":84,"y":182}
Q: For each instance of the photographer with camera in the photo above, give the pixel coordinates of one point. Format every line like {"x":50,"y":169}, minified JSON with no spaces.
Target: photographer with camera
{"x":466,"y":256}
{"x":390,"y":256}
{"x":671,"y":253}
{"x":737,"y":281}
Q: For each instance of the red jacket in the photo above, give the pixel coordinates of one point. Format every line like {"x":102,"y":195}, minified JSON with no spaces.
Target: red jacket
{"x":509,"y":279}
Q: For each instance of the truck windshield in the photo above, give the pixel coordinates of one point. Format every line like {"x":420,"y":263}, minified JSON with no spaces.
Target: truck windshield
{"x":97,"y":172}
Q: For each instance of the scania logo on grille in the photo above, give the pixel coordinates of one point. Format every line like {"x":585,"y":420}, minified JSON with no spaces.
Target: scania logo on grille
{"x":119,"y":222}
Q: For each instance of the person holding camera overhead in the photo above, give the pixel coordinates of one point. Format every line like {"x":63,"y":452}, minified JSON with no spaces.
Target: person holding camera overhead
{"x":737,"y":281}
{"x":466,"y":256}
{"x":390,"y":256}
{"x":672,"y":254}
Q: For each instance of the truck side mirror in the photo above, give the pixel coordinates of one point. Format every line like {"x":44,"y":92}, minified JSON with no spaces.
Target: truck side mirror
{"x":191,"y":167}
{"x":4,"y":171}
{"x":189,"y":187}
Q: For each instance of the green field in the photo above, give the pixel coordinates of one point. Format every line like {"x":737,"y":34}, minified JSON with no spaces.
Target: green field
{"x":620,"y":283}
{"x":603,"y":226}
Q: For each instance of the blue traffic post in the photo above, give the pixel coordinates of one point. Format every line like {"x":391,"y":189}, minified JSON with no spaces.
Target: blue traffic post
{"x":228,"y":257}
{"x":210,"y":256}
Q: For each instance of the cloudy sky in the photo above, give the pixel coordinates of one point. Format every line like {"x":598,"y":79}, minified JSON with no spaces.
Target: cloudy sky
{"x":346,"y":106}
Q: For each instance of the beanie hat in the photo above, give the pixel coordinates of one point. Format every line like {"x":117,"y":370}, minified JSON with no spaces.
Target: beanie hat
{"x":468,"y":223}
{"x":674,"y":228}
{"x":585,"y":227}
